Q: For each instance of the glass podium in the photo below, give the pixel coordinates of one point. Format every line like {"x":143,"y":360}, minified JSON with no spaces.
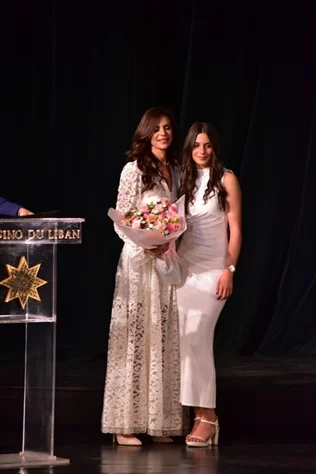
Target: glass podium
{"x":28,"y":295}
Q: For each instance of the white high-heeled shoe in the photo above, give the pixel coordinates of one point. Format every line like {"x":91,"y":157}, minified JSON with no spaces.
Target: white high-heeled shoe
{"x":203,"y":443}
{"x":197,"y":418}
{"x":123,"y":440}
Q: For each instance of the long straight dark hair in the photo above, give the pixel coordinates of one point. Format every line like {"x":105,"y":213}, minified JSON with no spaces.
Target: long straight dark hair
{"x":189,"y":169}
{"x":141,"y":146}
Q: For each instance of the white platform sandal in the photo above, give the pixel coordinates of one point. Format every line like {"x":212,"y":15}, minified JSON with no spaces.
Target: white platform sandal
{"x":197,"y":418}
{"x":199,"y":442}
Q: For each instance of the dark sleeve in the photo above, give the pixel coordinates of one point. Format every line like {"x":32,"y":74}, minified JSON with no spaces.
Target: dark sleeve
{"x":8,"y":208}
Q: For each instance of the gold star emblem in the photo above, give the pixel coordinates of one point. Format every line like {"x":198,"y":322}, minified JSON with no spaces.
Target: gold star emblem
{"x":23,"y":282}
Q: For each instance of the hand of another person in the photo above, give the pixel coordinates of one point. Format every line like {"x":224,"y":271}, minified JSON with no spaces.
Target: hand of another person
{"x":224,"y":287}
{"x":24,"y":212}
{"x":158,"y":251}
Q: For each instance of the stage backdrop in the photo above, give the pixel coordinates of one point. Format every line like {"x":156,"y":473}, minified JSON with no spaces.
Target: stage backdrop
{"x":75,"y":80}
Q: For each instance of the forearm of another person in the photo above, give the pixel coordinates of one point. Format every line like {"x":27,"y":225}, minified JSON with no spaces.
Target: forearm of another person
{"x":8,"y":208}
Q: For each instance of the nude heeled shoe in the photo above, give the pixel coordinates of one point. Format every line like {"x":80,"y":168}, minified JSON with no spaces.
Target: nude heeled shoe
{"x":202,"y":443}
{"x":123,"y":440}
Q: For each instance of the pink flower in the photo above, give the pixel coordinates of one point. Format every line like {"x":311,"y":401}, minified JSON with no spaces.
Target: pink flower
{"x":170,"y":227}
{"x":136,"y":224}
{"x":172,"y":207}
{"x":165,"y":202}
{"x":170,"y":215}
{"x":159,"y":208}
{"x":143,"y":208}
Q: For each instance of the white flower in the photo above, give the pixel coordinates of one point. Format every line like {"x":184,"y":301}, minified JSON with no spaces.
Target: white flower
{"x":150,"y":198}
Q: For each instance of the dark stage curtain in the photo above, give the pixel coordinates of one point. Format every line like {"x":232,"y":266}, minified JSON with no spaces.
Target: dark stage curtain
{"x":76,"y":78}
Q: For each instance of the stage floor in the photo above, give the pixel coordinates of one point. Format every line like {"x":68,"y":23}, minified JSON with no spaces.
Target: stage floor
{"x":266,"y":409}
{"x":98,"y":458}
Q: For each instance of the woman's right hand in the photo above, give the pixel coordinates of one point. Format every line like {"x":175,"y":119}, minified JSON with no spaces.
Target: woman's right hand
{"x":158,"y":251}
{"x":24,"y":212}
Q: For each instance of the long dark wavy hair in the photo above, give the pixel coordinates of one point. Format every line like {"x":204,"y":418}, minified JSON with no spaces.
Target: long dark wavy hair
{"x":141,"y":146}
{"x":189,"y":169}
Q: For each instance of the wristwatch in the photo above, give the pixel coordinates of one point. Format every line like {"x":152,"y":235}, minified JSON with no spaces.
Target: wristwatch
{"x":231,"y":268}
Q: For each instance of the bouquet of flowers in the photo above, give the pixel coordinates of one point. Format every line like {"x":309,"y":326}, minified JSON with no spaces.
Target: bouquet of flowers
{"x":154,"y":221}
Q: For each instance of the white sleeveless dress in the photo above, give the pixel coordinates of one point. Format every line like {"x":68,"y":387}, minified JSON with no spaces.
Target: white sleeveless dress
{"x":203,"y":250}
{"x":142,"y":383}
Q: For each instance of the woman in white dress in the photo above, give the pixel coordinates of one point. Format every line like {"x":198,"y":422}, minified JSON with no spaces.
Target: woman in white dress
{"x":213,"y":205}
{"x":142,"y":386}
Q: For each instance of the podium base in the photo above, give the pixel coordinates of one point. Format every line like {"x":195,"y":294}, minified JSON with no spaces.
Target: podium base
{"x":30,"y":459}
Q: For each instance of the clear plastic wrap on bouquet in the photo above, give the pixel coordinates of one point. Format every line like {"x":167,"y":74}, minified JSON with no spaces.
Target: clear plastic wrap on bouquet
{"x":169,"y":266}
{"x":146,"y":238}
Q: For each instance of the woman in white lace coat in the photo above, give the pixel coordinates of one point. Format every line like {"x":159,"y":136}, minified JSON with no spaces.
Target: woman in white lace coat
{"x":142,"y":383}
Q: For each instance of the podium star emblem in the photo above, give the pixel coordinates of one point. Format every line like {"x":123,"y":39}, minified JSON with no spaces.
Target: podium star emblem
{"x":23,"y":282}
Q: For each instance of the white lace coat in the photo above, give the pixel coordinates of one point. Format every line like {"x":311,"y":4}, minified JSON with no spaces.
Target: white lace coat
{"x":142,"y":383}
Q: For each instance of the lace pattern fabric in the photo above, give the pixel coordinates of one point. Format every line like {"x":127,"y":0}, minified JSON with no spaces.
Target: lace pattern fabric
{"x":142,"y":386}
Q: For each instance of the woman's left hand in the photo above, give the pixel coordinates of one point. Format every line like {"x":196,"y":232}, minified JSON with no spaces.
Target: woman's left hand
{"x":158,"y":251}
{"x":224,"y":287}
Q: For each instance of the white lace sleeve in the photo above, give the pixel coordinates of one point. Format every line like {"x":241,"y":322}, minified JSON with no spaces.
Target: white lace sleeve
{"x":129,"y":192}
